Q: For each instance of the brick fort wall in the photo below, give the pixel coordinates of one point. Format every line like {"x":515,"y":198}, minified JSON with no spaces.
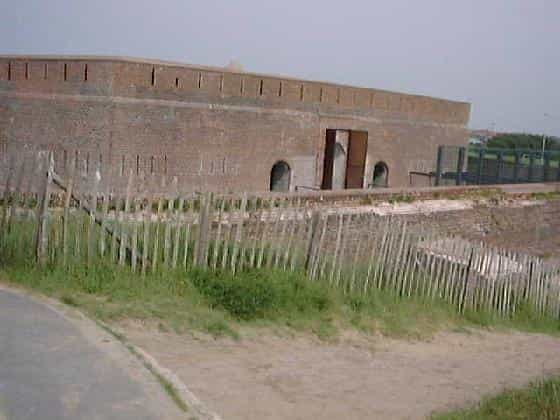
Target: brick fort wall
{"x":212,"y":128}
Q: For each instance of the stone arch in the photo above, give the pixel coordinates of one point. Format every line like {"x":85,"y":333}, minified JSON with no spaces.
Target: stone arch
{"x":280,"y":177}
{"x":380,"y":175}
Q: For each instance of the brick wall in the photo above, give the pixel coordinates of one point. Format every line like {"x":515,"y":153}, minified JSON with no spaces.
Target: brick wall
{"x":212,"y":128}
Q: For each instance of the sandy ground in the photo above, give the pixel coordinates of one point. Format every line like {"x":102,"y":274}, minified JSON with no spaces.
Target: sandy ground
{"x":271,"y":377}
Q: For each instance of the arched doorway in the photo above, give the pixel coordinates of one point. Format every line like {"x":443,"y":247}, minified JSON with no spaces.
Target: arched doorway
{"x":280,"y":175}
{"x":380,"y":175}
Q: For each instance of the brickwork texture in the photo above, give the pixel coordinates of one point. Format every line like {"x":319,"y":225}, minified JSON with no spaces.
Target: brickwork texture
{"x":212,"y":128}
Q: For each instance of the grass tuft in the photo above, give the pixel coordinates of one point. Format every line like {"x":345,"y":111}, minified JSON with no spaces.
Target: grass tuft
{"x":540,"y":400}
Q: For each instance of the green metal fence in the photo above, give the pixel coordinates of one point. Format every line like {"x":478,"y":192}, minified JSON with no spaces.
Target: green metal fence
{"x":482,"y":166}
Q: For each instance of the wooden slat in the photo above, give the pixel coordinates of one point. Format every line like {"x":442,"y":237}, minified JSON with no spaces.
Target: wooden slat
{"x":42,"y":237}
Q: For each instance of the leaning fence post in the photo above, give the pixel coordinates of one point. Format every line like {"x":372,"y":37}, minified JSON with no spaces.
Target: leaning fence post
{"x":466,"y":284}
{"x":42,"y":234}
{"x":313,"y":234}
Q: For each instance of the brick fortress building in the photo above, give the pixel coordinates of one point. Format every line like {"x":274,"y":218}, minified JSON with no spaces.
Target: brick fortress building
{"x":220,"y":130}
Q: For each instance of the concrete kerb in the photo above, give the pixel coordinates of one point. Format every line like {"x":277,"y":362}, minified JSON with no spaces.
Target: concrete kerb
{"x":188,"y":398}
{"x":196,"y":409}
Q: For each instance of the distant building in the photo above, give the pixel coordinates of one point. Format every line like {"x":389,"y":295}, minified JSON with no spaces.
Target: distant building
{"x":481,"y":137}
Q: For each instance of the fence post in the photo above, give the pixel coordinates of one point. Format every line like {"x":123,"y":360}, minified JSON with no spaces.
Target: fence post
{"x":460,"y":166}
{"x":464,"y":296}
{"x":499,"y":165}
{"x":203,"y":231}
{"x":439,"y":163}
{"x":42,"y":233}
{"x":312,"y":240}
{"x":516,"y":168}
{"x":546,"y":167}
{"x":479,"y":167}
{"x":531,"y":167}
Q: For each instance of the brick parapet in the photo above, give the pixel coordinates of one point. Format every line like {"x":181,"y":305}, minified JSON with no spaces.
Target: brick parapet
{"x":115,"y":76}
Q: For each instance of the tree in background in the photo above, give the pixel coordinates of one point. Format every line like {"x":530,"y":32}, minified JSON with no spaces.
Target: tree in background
{"x":523,"y":141}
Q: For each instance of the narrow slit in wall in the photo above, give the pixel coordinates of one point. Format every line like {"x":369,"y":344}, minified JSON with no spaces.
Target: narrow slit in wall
{"x":261,"y":87}
{"x":165,"y":164}
{"x":321,"y":95}
{"x":122,"y":165}
{"x":152,"y":165}
{"x":280,"y":89}
{"x":65,"y":72}
{"x":137,"y":165}
{"x":301,"y":92}
{"x":26,"y":71}
{"x":199,"y":80}
{"x":176,"y":82}
{"x":9,"y":70}
{"x":87,"y":163}
{"x":221,"y":83}
{"x":153,"y":76}
{"x":46,"y":71}
{"x":85,"y":73}
{"x":242,"y":89}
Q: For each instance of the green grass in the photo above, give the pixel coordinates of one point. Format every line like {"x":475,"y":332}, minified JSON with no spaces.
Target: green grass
{"x":221,"y":304}
{"x":540,"y":400}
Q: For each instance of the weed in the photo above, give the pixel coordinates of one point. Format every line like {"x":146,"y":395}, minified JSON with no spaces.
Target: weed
{"x":68,"y":300}
{"x":552,"y":195}
{"x":401,"y":198}
{"x":256,"y":294}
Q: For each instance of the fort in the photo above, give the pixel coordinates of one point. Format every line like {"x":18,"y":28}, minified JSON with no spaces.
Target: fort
{"x":220,"y":130}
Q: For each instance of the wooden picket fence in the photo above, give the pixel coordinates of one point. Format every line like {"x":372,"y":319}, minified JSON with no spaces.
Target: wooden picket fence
{"x":359,"y":253}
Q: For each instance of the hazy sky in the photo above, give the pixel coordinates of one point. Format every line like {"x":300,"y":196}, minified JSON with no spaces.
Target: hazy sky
{"x":503,"y":56}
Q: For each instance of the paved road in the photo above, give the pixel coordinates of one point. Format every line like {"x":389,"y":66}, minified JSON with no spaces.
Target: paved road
{"x":53,"y":367}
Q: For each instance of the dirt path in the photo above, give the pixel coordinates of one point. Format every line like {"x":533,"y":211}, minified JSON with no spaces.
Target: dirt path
{"x":300,"y":378}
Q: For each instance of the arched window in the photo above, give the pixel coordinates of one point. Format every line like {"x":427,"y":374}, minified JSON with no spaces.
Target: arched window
{"x":280,"y":177}
{"x":380,"y":175}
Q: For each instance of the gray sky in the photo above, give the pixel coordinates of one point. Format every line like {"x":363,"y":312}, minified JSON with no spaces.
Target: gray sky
{"x":503,"y":56}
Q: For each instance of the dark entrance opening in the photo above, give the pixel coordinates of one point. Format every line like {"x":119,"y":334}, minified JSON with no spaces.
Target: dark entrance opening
{"x":280,"y":177}
{"x":345,"y":159}
{"x":328,"y":162}
{"x":380,"y":175}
